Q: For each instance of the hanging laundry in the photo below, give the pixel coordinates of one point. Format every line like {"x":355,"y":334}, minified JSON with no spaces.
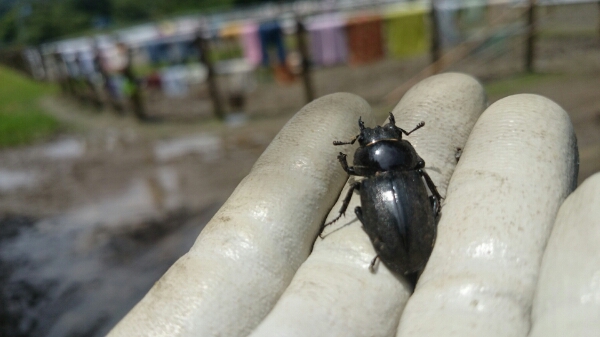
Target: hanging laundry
{"x":158,"y":52}
{"x":152,"y":81}
{"x":472,"y":18}
{"x":196,"y":73}
{"x":405,"y":30}
{"x":174,"y":81}
{"x":251,"y":43}
{"x":189,"y":50}
{"x":271,"y":36}
{"x":230,"y":31}
{"x":365,"y":38}
{"x":85,"y":61}
{"x":117,"y":87}
{"x":447,"y":16}
{"x":328,"y":43}
{"x":229,"y":45}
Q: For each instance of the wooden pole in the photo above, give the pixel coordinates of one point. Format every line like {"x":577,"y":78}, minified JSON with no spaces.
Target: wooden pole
{"x":65,"y":76}
{"x":99,"y":64}
{"x":531,"y":37}
{"x":436,"y":50}
{"x":309,"y":92}
{"x":598,"y":20}
{"x":213,"y":89}
{"x":136,"y":97}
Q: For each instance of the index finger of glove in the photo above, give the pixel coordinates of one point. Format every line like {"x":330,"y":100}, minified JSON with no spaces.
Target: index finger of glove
{"x":249,"y":251}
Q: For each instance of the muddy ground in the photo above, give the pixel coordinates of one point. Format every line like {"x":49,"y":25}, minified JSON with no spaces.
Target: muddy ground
{"x":92,"y":218}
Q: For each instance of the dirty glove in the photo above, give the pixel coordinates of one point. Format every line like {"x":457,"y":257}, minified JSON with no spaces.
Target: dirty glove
{"x":256,"y":267}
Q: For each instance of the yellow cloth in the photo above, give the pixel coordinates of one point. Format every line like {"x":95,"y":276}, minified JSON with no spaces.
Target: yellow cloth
{"x":406,"y":30}
{"x":230,"y":30}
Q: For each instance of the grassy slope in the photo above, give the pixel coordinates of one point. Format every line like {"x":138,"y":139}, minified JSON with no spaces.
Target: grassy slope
{"x":519,"y":83}
{"x":22,"y":120}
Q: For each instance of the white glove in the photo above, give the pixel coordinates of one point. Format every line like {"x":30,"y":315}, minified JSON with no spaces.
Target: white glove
{"x":250,"y":269}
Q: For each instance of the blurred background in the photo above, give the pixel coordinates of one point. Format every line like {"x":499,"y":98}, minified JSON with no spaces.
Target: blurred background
{"x":124,"y":125}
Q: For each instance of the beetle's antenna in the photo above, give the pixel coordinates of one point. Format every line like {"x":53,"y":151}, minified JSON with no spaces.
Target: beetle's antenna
{"x":361,"y":124}
{"x":392,"y":119}
{"x":339,"y":142}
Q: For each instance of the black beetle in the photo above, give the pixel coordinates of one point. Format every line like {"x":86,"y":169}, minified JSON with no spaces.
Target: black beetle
{"x":397,"y":212}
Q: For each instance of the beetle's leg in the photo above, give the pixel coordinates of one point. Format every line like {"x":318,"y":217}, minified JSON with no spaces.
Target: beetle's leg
{"x":393,"y":122}
{"x":345,"y":203}
{"x":435,"y":204}
{"x":373,"y":262}
{"x":358,"y":212}
{"x":458,"y":154}
{"x":420,"y":164}
{"x":420,"y":125}
{"x":433,"y":190}
{"x":412,"y":277}
{"x":337,"y":142}
{"x":349,"y":169}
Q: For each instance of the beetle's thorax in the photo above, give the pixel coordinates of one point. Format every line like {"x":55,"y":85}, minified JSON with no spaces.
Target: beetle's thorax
{"x":372,"y":135}
{"x":385,"y":155}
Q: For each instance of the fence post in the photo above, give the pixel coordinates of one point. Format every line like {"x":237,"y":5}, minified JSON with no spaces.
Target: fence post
{"x":136,"y":97}
{"x":213,"y":89}
{"x":530,"y":40}
{"x":436,"y":50}
{"x":306,"y":77}
{"x":64,"y":77}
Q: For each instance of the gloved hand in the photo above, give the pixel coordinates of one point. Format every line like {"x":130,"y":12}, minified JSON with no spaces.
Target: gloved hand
{"x":250,"y":270}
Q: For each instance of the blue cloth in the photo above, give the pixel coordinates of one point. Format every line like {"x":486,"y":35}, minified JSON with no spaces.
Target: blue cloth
{"x":158,"y":52}
{"x":172,"y":52}
{"x":271,"y":36}
{"x":174,"y":81}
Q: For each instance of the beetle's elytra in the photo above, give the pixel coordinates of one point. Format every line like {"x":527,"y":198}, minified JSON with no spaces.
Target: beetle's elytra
{"x":396,"y":210}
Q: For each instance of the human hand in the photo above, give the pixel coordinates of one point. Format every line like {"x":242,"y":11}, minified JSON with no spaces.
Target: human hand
{"x":516,"y":169}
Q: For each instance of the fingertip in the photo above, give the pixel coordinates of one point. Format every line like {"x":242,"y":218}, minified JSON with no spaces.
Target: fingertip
{"x":249,"y":251}
{"x":566,"y":300}
{"x":516,"y":168}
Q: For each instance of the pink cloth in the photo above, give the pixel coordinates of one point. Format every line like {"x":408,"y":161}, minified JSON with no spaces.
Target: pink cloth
{"x":328,"y":39}
{"x":251,"y":43}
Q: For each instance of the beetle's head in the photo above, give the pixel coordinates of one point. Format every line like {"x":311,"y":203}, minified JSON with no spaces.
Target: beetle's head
{"x":369,"y":135}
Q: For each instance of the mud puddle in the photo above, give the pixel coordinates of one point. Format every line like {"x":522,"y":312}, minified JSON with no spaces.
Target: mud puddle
{"x":79,"y":273}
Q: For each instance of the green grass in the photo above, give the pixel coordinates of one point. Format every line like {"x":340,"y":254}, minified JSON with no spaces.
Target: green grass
{"x":22,"y":120}
{"x":518,"y":83}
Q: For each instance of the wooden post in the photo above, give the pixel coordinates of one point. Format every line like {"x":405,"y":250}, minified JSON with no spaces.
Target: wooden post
{"x":65,"y":77}
{"x":100,"y":66}
{"x":44,"y":64}
{"x":530,"y":40}
{"x":309,"y":92}
{"x":436,"y":50}
{"x":136,"y":97}
{"x":213,"y":89}
{"x":59,"y":73}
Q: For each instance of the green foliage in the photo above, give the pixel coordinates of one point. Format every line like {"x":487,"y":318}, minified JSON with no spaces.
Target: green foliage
{"x":131,"y":11}
{"x":21,"y":118}
{"x":8,"y":26}
{"x":49,"y":20}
